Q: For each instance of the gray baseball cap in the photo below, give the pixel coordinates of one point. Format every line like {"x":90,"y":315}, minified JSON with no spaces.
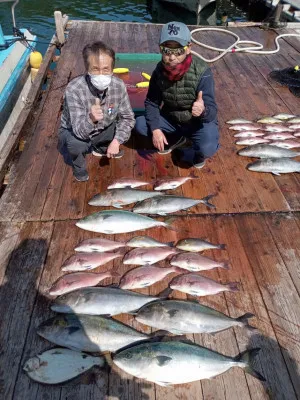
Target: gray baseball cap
{"x":176,"y":31}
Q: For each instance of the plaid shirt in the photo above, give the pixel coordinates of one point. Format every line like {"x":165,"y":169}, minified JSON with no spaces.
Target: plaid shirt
{"x":114,"y":103}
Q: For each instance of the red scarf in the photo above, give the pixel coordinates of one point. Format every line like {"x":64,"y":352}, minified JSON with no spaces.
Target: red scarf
{"x":176,"y":72}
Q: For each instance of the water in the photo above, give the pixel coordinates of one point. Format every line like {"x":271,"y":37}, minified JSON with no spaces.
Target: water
{"x":37,"y":15}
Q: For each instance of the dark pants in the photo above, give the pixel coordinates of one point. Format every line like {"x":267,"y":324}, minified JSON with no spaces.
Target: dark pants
{"x":204,"y":136}
{"x":74,"y":150}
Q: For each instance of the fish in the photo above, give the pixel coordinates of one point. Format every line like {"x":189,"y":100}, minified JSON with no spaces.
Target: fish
{"x":247,"y":134}
{"x":250,"y":141}
{"x":163,"y":205}
{"x":122,"y":183}
{"x":286,"y":144}
{"x":269,"y":120}
{"x":238,"y":121}
{"x":294,"y":126}
{"x":148,"y":255}
{"x":297,"y":134}
{"x":197,"y":285}
{"x":117,"y":221}
{"x":181,"y":317}
{"x":195,"y":244}
{"x":279,"y":136}
{"x":196,"y":262}
{"x":98,"y":244}
{"x":86,"y":261}
{"x":89,"y":333}
{"x":145,"y":276}
{"x":77,"y":280}
{"x":276,"y":166}
{"x":295,"y":120}
{"x":59,"y":365}
{"x":172,"y":183}
{"x":266,"y":151}
{"x":177,"y":362}
{"x":284,"y":116}
{"x":146,"y":241}
{"x":121,"y":197}
{"x":245,"y":127}
{"x":100,"y":301}
{"x":277,"y":128}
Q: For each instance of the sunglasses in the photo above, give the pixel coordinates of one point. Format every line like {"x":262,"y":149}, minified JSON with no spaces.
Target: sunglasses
{"x":179,"y":51}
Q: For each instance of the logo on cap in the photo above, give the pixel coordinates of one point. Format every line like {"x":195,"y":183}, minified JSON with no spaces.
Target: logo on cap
{"x":173,"y":29}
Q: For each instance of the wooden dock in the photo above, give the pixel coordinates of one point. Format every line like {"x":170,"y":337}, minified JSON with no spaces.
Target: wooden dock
{"x":257,"y":217}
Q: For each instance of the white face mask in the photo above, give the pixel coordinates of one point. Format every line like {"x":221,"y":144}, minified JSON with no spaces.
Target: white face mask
{"x":101,"y":82}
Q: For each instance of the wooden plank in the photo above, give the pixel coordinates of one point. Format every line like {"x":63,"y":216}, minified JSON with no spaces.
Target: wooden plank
{"x":9,"y":236}
{"x":17,"y":298}
{"x":277,"y":288}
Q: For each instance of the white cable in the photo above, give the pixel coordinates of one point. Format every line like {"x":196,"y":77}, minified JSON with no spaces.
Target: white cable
{"x":256,"y":47}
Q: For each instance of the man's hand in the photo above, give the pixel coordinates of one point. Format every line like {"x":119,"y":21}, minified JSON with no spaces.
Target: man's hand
{"x":113,"y":148}
{"x":198,"y":106}
{"x":159,"y":140}
{"x":96,"y":114}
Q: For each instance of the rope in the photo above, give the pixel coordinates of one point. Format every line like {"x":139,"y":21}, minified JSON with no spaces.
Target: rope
{"x":237,"y":46}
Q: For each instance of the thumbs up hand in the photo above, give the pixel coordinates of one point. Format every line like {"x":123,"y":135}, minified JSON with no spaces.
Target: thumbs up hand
{"x":198,"y":106}
{"x":96,"y":113}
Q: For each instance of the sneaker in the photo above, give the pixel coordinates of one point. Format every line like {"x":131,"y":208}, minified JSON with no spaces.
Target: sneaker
{"x":99,"y":153}
{"x":174,"y":146}
{"x":81,"y":177}
{"x":199,"y":161}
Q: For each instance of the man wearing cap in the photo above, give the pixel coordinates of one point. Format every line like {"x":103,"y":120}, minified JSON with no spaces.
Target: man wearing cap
{"x":180,"y":102}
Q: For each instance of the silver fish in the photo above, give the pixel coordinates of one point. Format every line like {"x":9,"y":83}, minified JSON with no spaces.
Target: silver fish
{"x":247,"y":134}
{"x":59,"y":365}
{"x":238,"y":121}
{"x":276,"y":166}
{"x":145,"y":276}
{"x":86,"y":261}
{"x":163,"y":205}
{"x":183,"y":317}
{"x":172,"y":183}
{"x":88,"y":333}
{"x":100,"y":301}
{"x":250,"y":141}
{"x":116,"y":221}
{"x":127,"y":183}
{"x":175,"y":362}
{"x":286,"y":144}
{"x":148,"y":255}
{"x":269,"y":120}
{"x":146,"y":241}
{"x":266,"y":151}
{"x":295,"y":120}
{"x":197,"y":285}
{"x":279,"y":136}
{"x":98,"y":244}
{"x":277,"y":128}
{"x":297,"y":134}
{"x":245,"y":127}
{"x":295,"y":126}
{"x":284,"y":116}
{"x":77,"y":280}
{"x":196,"y":262}
{"x":195,"y":244}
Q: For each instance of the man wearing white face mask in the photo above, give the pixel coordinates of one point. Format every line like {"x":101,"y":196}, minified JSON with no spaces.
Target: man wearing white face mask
{"x":97,"y":116}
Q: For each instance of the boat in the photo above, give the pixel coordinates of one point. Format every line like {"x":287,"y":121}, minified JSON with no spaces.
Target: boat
{"x":195,"y":6}
{"x":15,"y":74}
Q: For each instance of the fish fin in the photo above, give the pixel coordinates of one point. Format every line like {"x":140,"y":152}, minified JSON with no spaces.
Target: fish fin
{"x":172,"y":313}
{"x":206,"y":202}
{"x":117,"y":205}
{"x":247,"y":357}
{"x":104,"y":217}
{"x":225,"y":265}
{"x":165,"y":384}
{"x":233,"y":286}
{"x":244,"y":320}
{"x":170,"y":244}
{"x":163,"y":360}
{"x":276,"y":173}
{"x":222,"y":246}
{"x":168,"y":222}
{"x":165,"y":293}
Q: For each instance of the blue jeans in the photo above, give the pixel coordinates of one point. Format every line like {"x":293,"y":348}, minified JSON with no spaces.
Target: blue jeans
{"x":204,"y":135}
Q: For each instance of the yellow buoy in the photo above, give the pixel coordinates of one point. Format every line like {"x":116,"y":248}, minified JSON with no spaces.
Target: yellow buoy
{"x":142,"y":84}
{"x":146,"y":76}
{"x":120,"y":70}
{"x":35,"y":59}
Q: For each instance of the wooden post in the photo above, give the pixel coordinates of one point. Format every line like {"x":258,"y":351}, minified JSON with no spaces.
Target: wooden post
{"x":59,"y":27}
{"x":278,"y":12}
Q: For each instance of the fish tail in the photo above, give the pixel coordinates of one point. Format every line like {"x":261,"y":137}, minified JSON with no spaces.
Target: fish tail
{"x":114,"y":274}
{"x":222,"y":246}
{"x":165,"y":293}
{"x":246,"y":358}
{"x":225,"y":265}
{"x":233,"y":287}
{"x":170,"y":244}
{"x":167,"y":223}
{"x":206,"y":202}
{"x":243,"y":319}
{"x":180,"y":270}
